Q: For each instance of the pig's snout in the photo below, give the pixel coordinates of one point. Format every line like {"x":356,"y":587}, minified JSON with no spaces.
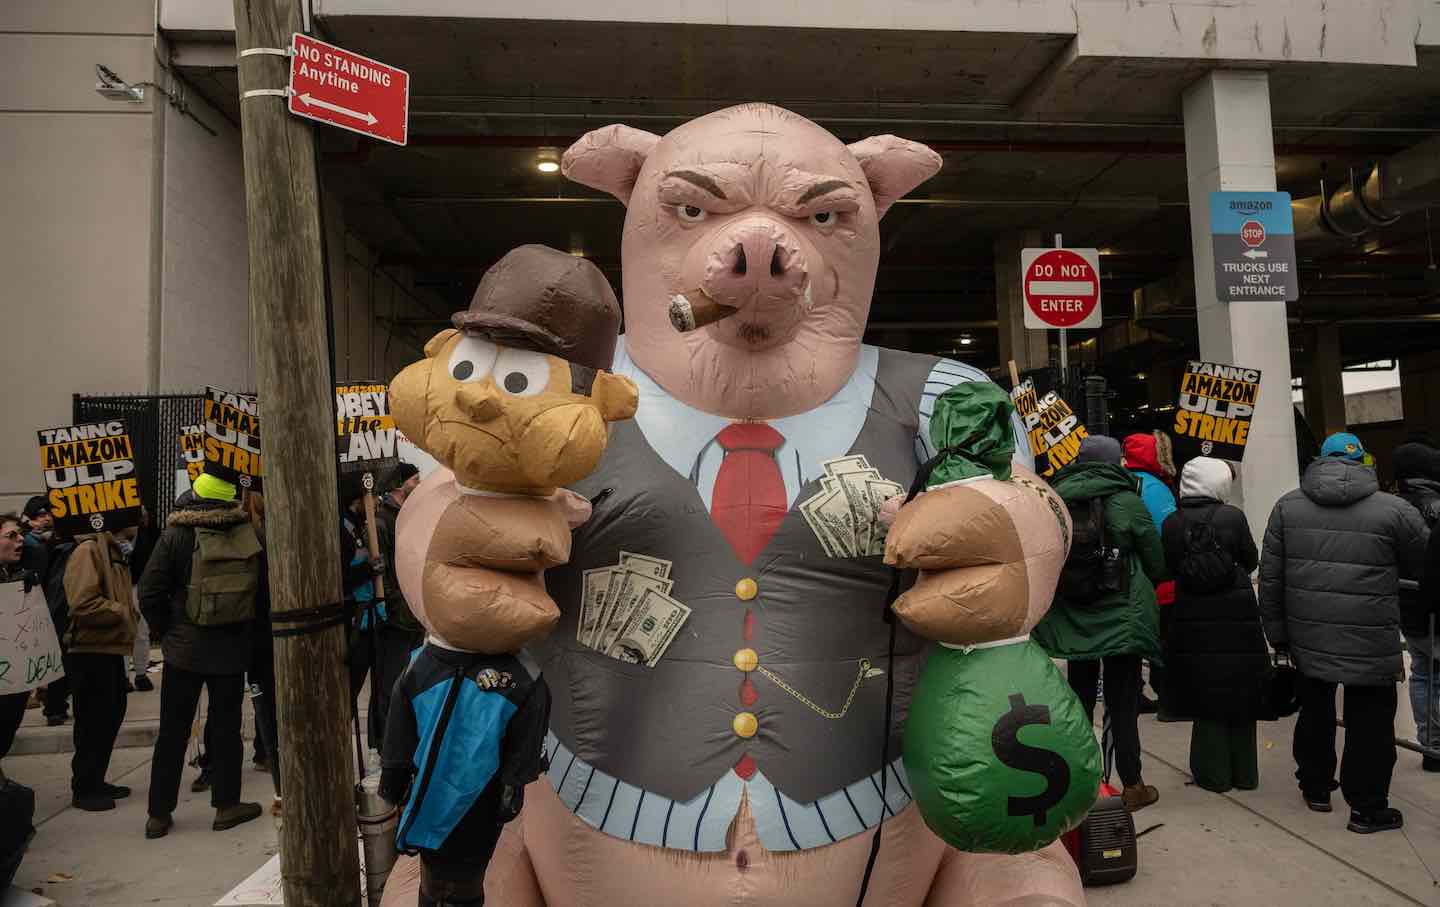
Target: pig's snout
{"x":755,"y":260}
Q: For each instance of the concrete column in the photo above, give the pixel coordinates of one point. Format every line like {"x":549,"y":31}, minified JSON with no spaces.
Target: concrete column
{"x":1324,"y":383}
{"x":1029,"y":349}
{"x":1229,"y":145}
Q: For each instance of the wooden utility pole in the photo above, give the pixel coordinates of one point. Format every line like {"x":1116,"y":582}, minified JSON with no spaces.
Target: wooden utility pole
{"x":318,"y":851}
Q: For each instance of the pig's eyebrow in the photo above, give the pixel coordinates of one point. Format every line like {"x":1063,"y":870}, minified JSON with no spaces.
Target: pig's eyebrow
{"x":822,"y":188}
{"x":699,"y":179}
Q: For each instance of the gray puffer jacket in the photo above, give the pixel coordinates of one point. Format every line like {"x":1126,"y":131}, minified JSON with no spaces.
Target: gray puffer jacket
{"x":1329,"y":574}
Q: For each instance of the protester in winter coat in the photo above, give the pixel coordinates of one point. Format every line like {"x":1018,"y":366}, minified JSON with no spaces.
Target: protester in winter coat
{"x":42,"y":551}
{"x":359,"y":567}
{"x":101,"y":633}
{"x":12,"y":553}
{"x":400,"y":633}
{"x":1216,"y":660}
{"x":1429,"y":735}
{"x":39,"y":528}
{"x":1417,"y":467}
{"x":1329,"y":593}
{"x":213,"y":655}
{"x":1142,"y":459}
{"x":1118,"y":629}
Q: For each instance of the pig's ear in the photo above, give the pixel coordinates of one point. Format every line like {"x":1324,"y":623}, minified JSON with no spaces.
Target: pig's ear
{"x":893,"y":166}
{"x":609,"y":159}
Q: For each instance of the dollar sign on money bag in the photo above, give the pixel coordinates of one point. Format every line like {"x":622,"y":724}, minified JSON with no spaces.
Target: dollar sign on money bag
{"x":998,"y":752}
{"x":1005,"y":741}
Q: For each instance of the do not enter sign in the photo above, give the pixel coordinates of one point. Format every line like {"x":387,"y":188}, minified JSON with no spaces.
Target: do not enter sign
{"x":1061,"y":287}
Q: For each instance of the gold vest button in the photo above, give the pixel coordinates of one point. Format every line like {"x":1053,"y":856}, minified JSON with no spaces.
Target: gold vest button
{"x":746,"y":589}
{"x":745,"y":725}
{"x":746,"y":660}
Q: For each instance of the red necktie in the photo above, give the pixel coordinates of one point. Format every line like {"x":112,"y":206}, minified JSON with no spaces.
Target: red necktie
{"x":748,"y":504}
{"x":749,"y":500}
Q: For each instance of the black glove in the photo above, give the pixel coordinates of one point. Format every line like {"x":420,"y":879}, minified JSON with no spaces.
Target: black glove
{"x":511,"y":800}
{"x":377,"y":565}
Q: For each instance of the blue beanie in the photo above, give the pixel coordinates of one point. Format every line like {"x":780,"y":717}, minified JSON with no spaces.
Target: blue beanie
{"x":1343,"y":445}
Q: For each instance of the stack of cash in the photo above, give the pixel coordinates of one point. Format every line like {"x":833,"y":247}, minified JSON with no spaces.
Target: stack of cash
{"x":626,"y":611}
{"x":844,"y":514}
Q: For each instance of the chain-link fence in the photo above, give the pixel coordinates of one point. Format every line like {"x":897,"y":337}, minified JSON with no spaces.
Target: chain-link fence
{"x":154,"y":422}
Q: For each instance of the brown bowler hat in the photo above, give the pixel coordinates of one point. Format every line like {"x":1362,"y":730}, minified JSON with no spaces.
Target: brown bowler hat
{"x":538,"y":298}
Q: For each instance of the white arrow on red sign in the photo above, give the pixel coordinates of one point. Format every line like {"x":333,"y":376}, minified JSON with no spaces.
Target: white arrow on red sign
{"x":367,"y":117}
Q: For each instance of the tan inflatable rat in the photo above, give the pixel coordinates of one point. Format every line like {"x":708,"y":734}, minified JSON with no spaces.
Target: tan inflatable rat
{"x":493,"y":401}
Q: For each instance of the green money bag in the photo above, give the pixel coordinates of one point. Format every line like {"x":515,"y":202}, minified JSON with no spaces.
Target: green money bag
{"x":972,"y":422}
{"x":998,"y":751}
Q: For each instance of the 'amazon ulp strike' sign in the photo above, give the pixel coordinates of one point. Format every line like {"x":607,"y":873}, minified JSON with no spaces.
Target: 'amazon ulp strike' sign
{"x":364,"y":428}
{"x":191,"y":459}
{"x":1213,"y":413}
{"x":232,"y":438}
{"x":90,"y":477}
{"x":1054,"y":429}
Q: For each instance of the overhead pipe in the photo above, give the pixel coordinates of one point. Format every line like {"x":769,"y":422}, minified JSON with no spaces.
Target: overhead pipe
{"x":1405,"y":182}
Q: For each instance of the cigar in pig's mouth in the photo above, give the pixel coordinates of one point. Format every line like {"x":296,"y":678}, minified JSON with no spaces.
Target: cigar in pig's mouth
{"x":692,"y":311}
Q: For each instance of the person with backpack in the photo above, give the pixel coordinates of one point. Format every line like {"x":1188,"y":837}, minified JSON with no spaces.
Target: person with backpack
{"x":1104,"y":612}
{"x":1330,"y":570}
{"x":1417,"y":469}
{"x":1217,"y":662}
{"x":198,"y":594}
{"x":101,"y":632}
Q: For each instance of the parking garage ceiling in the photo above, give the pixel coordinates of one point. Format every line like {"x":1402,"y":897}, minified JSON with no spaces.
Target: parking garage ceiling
{"x":1091,"y":148}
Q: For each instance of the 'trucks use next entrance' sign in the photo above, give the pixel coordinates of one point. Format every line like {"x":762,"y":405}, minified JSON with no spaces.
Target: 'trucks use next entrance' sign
{"x":1254,"y":237}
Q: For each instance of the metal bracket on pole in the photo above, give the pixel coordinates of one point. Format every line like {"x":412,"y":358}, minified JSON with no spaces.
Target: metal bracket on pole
{"x":265,"y":93}
{"x":271,"y":51}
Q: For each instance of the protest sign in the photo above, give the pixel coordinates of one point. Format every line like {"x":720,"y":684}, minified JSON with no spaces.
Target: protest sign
{"x":1055,"y":431}
{"x":365,"y":434}
{"x":232,"y":438}
{"x":192,"y":451}
{"x":90,"y":477}
{"x":29,"y":650}
{"x":1213,"y":413}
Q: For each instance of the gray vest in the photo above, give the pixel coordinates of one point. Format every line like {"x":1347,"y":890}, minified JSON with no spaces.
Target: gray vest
{"x":668,"y":729}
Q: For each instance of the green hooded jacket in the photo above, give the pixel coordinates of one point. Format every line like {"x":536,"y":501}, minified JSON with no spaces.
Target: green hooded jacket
{"x":1122,"y":624}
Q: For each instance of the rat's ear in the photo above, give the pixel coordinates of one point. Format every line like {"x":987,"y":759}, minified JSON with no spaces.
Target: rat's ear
{"x":432,"y":347}
{"x":616,"y":395}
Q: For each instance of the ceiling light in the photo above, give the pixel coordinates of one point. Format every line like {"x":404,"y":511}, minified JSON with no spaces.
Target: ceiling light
{"x":966,"y":340}
{"x":548,"y":160}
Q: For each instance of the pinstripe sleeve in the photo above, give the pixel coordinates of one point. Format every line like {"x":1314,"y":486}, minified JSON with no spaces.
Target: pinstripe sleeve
{"x":946,"y":374}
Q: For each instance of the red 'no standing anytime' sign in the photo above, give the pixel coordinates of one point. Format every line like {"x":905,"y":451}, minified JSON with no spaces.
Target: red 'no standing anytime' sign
{"x":335,"y":86}
{"x":1061,"y":287}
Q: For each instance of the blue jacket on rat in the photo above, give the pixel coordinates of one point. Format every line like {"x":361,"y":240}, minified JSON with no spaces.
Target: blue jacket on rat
{"x":468,"y":729}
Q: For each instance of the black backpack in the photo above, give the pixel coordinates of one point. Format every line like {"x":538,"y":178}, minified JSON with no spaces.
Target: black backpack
{"x":1205,"y":566}
{"x":1094,"y":570}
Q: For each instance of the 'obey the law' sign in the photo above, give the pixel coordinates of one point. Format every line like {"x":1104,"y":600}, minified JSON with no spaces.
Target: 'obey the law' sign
{"x":335,"y":86}
{"x":1061,"y":288}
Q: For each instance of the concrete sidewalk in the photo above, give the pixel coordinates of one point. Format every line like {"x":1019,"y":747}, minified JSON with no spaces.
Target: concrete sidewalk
{"x":1244,"y":848}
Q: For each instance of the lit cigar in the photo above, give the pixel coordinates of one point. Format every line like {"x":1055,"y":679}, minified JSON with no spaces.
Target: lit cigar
{"x":693,"y":310}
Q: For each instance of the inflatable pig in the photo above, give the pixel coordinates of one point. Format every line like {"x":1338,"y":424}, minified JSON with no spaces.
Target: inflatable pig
{"x":740,"y":762}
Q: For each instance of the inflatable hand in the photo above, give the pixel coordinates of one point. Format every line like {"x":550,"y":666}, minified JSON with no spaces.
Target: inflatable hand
{"x":989,"y":554}
{"x":496,"y":401}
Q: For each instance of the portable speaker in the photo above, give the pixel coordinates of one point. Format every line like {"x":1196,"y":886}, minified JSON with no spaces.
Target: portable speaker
{"x":1103,"y":846}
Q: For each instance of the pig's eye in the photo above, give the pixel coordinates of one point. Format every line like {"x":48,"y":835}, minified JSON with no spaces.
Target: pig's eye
{"x":471,"y":359}
{"x":521,"y":373}
{"x":691,"y":214}
{"x":824,"y":218}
